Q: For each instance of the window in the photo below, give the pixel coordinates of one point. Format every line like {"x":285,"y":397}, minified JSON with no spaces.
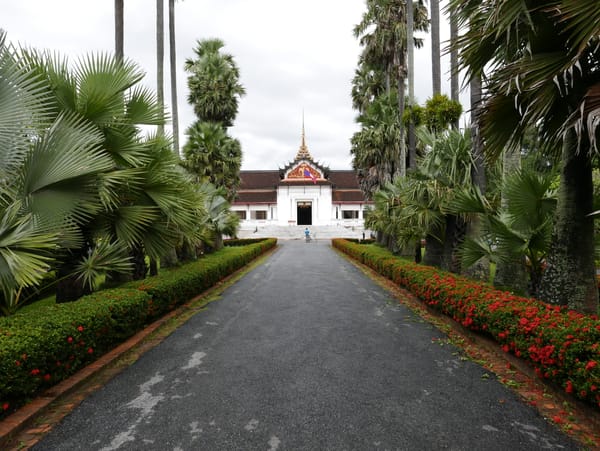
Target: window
{"x":350,"y":214}
{"x":241,"y":214}
{"x":259,"y":215}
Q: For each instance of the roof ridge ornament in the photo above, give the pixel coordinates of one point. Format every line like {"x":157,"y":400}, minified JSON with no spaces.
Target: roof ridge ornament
{"x":303,"y":153}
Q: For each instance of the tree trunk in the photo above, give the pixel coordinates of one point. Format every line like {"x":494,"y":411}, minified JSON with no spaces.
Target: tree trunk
{"x":218,"y":242}
{"x":434,"y":247}
{"x":173,"y":67}
{"x":160,"y":52}
{"x":410,"y":46}
{"x":436,"y":76}
{"x":480,"y":270}
{"x":153,"y":267}
{"x":454,"y":236}
{"x":119,"y":29}
{"x":69,"y":287}
{"x":454,"y":88}
{"x":570,"y":276}
{"x":138,"y":258}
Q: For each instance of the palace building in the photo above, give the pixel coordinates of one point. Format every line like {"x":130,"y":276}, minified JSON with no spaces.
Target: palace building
{"x":304,"y":193}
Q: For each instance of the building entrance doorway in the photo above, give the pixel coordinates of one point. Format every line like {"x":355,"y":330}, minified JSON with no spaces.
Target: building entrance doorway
{"x":304,"y":213}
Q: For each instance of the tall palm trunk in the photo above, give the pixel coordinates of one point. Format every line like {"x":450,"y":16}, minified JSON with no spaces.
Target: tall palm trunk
{"x":454,"y":88}
{"x":410,"y":47}
{"x":160,"y":54}
{"x":119,"y":29}
{"x":436,"y":75}
{"x":480,"y":270}
{"x":570,"y":278}
{"x":173,"y":67}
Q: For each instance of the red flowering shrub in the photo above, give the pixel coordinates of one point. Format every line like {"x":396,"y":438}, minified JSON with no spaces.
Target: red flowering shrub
{"x":44,"y":346}
{"x":562,"y":345}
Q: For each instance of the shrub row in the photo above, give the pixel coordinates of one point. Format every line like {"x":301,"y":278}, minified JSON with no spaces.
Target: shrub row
{"x":42,"y":347}
{"x":242,"y":241}
{"x":562,"y":345}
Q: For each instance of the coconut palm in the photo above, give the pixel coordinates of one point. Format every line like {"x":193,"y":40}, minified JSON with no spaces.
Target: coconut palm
{"x":541,"y":67}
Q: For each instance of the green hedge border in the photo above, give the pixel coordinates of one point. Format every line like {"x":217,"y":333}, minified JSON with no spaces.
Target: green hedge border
{"x":42,"y":347}
{"x":562,"y":345}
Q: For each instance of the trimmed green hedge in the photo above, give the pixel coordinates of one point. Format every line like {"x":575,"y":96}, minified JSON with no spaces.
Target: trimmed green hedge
{"x":562,"y":345}
{"x":42,"y":347}
{"x":243,"y":241}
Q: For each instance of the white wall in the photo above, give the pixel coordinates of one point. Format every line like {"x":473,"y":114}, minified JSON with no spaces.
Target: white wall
{"x":289,"y":196}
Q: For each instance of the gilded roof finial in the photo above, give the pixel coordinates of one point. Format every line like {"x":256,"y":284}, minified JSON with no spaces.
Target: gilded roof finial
{"x":303,"y":153}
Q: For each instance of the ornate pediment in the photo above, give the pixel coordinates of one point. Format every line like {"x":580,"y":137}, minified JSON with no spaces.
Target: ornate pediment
{"x":303,"y":171}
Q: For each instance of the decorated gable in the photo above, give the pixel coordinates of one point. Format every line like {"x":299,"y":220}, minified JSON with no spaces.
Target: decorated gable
{"x":303,"y":171}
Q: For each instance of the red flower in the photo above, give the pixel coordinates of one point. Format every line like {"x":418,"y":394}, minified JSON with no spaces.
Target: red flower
{"x":505,"y":348}
{"x":90,"y":351}
{"x":35,"y":372}
{"x":591,"y":364}
{"x":5,"y":406}
{"x":70,"y":339}
{"x":17,"y":363}
{"x":80,"y":328}
{"x":557,"y":419}
{"x":569,"y":387}
{"x":46,"y":377}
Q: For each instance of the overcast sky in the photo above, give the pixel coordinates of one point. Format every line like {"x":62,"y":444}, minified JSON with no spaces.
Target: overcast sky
{"x":293,"y":56}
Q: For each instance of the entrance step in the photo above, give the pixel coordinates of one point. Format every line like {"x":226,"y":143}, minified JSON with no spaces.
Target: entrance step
{"x":296,"y":232}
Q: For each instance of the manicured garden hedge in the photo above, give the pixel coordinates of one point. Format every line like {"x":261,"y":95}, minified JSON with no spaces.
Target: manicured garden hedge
{"x":41,"y":347}
{"x":562,"y":345}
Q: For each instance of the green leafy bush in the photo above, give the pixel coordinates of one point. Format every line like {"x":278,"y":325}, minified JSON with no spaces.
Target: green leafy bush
{"x":43,"y":346}
{"x":562,"y":345}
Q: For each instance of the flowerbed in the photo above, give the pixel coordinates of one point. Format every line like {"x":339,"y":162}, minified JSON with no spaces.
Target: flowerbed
{"x":44,"y":346}
{"x":562,"y":345}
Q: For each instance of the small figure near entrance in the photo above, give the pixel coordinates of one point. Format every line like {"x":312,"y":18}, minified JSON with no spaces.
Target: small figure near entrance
{"x":307,"y":234}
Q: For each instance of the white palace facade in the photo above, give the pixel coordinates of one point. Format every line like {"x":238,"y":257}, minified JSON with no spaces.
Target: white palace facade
{"x":304,"y":193}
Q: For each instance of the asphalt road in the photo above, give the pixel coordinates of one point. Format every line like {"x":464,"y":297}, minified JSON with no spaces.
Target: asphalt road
{"x":304,"y":353}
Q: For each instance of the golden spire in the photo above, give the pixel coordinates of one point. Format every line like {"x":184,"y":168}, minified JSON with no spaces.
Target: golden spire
{"x":303,"y":153}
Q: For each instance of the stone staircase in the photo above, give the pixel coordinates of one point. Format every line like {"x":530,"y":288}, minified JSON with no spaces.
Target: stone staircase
{"x":295,"y":232}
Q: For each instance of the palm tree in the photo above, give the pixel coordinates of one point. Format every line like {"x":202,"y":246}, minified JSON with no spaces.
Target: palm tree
{"x":173,"y":68}
{"x":517,"y":233}
{"x":49,"y":166}
{"x":211,"y":155}
{"x":119,"y":29}
{"x":219,"y":220}
{"x":104,"y":93}
{"x":542,"y":72}
{"x":376,"y":145}
{"x":214,"y":84}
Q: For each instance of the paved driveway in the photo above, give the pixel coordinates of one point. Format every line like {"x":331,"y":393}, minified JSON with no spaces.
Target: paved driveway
{"x":304,"y":353}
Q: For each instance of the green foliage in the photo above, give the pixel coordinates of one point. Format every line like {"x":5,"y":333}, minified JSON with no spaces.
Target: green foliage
{"x":214,"y":83}
{"x":440,"y":112}
{"x":40,"y":347}
{"x":46,"y":345}
{"x":562,"y":345}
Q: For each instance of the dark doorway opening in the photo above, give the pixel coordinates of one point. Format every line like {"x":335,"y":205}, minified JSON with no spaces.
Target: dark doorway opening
{"x":304,"y":213}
